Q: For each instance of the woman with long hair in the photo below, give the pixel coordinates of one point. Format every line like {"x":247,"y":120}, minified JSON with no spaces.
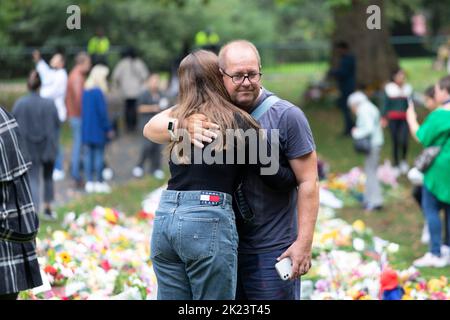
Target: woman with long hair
{"x":194,"y":241}
{"x":96,"y":128}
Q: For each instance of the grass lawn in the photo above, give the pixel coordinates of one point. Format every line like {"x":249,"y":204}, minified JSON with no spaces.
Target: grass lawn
{"x":401,"y":221}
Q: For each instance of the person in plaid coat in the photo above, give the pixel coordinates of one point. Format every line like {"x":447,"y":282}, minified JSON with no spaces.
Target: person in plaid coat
{"x":19,"y":268}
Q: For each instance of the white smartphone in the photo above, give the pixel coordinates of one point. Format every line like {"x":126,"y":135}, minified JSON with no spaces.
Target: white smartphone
{"x":284,"y":268}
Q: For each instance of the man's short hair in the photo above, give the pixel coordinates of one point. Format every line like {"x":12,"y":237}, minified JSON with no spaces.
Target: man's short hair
{"x":429,"y":92}
{"x":223,"y":51}
{"x":81,"y":57}
{"x":444,"y":83}
{"x":33,"y":81}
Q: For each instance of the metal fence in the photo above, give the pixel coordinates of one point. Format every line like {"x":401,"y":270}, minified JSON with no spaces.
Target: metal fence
{"x":16,"y":61}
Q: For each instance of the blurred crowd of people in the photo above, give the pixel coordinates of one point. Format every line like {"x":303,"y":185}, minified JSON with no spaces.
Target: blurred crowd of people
{"x":93,"y":104}
{"x":431,"y":183}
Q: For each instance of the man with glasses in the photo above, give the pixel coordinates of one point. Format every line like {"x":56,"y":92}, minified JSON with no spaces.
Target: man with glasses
{"x":283,"y":222}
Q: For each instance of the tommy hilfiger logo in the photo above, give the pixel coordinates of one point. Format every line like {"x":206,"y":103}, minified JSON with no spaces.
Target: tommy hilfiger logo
{"x":211,"y":198}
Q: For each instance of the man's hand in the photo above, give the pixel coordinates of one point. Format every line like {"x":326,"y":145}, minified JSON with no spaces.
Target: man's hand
{"x":384,"y":122}
{"x":301,"y":259}
{"x":36,"y":56}
{"x":200,"y":129}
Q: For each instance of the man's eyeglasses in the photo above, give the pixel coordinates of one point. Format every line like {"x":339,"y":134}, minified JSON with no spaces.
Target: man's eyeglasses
{"x":240,"y":78}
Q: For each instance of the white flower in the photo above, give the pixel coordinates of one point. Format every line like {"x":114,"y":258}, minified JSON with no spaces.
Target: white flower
{"x":393,"y":247}
{"x":358,"y":244}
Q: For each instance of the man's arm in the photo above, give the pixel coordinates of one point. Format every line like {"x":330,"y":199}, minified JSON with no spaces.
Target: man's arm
{"x":76,"y":91}
{"x":197,"y":125}
{"x":305,"y":169}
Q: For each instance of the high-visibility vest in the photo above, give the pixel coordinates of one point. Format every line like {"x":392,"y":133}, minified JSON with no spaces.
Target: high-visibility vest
{"x":98,"y":45}
{"x":202,"y":39}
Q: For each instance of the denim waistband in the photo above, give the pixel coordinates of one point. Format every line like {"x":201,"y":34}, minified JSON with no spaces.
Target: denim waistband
{"x":196,"y":197}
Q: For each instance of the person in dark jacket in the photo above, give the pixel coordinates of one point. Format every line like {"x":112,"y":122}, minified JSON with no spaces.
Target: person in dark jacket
{"x":151,"y":101}
{"x":39,"y":123}
{"x":345,"y":75}
{"x":19,"y":267}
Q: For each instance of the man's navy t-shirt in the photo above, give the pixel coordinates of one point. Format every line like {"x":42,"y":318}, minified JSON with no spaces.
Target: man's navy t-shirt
{"x":274,"y":225}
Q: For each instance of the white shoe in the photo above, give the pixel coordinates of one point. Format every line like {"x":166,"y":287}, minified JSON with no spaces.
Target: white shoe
{"x":107,"y":174}
{"x":159,"y":174}
{"x":430,"y":260}
{"x":396,"y":171}
{"x":445,"y":253}
{"x":425,"y":238}
{"x":102,"y":187}
{"x":89,"y":187}
{"x":58,"y":175}
{"x":138,"y":172}
{"x":404,"y":167}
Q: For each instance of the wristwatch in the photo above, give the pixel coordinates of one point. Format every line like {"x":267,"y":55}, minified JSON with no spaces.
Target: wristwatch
{"x":171,"y":128}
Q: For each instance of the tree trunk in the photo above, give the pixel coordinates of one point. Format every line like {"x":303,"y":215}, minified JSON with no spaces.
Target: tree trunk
{"x":375,"y":56}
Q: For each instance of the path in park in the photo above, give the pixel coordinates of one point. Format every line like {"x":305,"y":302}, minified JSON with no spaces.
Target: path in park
{"x":121,"y":154}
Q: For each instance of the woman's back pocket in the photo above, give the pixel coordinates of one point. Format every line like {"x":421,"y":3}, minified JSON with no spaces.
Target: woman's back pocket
{"x":197,"y":237}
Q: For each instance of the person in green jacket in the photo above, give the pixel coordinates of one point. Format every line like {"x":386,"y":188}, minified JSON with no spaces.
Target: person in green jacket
{"x":435,"y":131}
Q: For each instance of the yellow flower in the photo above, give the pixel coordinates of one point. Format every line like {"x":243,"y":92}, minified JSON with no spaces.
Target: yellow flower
{"x":329,"y":235}
{"x":359,"y":226}
{"x":408,"y":290}
{"x":110,"y":216}
{"x":433,"y":284}
{"x":65,"y":257}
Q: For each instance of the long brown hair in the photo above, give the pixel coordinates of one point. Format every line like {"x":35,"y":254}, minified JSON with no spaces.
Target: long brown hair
{"x":202,"y":91}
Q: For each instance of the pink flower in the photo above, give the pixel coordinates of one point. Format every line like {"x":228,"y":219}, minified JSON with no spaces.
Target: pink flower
{"x":105,"y":265}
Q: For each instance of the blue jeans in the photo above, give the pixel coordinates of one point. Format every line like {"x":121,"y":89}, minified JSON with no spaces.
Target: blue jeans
{"x":93,"y":162}
{"x":59,"y":162}
{"x":194,"y":246}
{"x":259,"y":280}
{"x":431,"y":207}
{"x":75,"y":124}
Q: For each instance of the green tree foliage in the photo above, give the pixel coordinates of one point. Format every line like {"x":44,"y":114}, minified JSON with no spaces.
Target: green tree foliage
{"x":161,"y":29}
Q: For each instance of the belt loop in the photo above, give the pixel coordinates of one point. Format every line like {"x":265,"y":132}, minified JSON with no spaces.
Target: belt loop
{"x":224,"y":199}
